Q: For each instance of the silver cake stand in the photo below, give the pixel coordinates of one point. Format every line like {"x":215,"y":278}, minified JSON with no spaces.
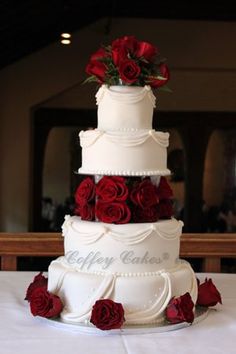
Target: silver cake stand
{"x":164,"y":326}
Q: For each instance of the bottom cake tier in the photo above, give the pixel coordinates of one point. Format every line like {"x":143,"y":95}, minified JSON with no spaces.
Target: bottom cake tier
{"x":144,"y":296}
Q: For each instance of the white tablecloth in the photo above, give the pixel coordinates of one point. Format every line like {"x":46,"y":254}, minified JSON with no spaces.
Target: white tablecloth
{"x":22,"y":333}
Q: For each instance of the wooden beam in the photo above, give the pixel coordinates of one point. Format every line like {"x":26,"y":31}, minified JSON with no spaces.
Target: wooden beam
{"x":31,"y":244}
{"x":210,"y":247}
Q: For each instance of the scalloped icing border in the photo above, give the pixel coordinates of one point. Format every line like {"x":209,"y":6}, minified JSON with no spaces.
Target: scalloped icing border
{"x":134,"y":232}
{"x":132,"y":96}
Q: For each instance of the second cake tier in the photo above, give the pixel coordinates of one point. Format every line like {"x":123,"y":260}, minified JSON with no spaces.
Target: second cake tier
{"x":143,"y":247}
{"x":130,"y":153}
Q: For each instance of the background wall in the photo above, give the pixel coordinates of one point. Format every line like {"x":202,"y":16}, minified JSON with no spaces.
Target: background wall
{"x":201,"y":56}
{"x":57,"y":164}
{"x":214,"y":170}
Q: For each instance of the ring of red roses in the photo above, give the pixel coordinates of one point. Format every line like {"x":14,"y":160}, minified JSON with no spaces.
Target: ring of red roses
{"x":107,"y":314}
{"x":122,"y":200}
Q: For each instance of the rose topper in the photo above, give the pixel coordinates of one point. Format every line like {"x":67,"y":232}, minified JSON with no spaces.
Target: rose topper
{"x":128,"y":61}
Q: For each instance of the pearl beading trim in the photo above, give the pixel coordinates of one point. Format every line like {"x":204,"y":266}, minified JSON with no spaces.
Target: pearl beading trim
{"x":164,"y":172}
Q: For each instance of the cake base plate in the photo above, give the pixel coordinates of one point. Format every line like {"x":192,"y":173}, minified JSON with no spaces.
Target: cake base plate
{"x":164,"y":326}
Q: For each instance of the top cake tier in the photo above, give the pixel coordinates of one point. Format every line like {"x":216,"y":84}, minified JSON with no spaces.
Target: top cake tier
{"x":122,"y":108}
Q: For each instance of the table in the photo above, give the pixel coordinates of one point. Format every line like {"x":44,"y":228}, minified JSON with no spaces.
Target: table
{"x":22,"y":333}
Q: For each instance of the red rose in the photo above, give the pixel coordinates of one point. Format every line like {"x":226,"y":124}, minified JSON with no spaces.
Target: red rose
{"x":165,"y":209}
{"x":40,"y":281}
{"x":155,"y":82}
{"x":146,"y":50}
{"x":145,"y":215}
{"x":111,"y":189}
{"x":44,"y":304}
{"x":164,"y":191}
{"x":98,"y":69}
{"x":87,"y":212}
{"x":208,"y":295}
{"x":107,"y":314}
{"x":99,"y":55}
{"x":129,"y":71}
{"x":85,"y":191}
{"x":144,"y":194}
{"x":113,"y":212}
{"x":127,"y":43}
{"x":180,"y":309}
{"x":119,"y":55}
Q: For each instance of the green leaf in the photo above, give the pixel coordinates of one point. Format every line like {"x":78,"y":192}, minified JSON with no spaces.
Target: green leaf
{"x":90,"y":79}
{"x":165,"y":89}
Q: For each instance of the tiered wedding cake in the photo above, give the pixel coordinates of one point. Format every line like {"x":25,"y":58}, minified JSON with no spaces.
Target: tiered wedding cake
{"x":124,"y":246}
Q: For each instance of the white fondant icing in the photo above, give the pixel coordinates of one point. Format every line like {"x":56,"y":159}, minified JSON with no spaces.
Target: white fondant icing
{"x":90,"y":231}
{"x":129,"y":153}
{"x":125,"y":107}
{"x":124,"y":139}
{"x":124,"y":143}
{"x":155,"y":291}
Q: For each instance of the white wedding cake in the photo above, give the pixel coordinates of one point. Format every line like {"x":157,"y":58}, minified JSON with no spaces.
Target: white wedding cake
{"x":125,"y":259}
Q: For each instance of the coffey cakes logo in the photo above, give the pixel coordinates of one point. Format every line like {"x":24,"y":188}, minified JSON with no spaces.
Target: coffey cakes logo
{"x":96,"y":258}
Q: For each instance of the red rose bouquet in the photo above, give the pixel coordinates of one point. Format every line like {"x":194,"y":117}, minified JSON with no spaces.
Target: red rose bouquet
{"x":128,"y":61}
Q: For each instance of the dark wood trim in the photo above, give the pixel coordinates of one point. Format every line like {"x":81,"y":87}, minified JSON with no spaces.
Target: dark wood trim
{"x":210,"y":247}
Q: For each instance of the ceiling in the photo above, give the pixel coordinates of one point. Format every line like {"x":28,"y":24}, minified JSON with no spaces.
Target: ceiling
{"x":28,"y":25}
